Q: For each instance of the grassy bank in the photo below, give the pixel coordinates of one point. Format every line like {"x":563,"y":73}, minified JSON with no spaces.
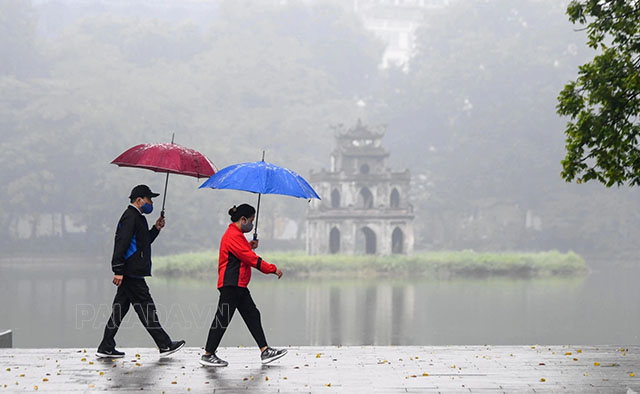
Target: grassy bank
{"x":429,"y":264}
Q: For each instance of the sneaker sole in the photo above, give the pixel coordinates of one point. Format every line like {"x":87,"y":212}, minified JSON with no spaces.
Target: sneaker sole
{"x":206,"y":364}
{"x":274,"y":358}
{"x":105,"y":355}
{"x":170,"y":352}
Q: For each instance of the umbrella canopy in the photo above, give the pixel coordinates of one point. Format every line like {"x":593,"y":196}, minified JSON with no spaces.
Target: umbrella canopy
{"x":169,"y":158}
{"x":261,"y":177}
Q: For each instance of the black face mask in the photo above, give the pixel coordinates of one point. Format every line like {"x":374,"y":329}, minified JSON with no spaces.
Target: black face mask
{"x":246,"y":227}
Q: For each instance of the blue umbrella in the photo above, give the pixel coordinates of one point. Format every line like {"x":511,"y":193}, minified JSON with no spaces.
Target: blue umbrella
{"x":263,"y":178}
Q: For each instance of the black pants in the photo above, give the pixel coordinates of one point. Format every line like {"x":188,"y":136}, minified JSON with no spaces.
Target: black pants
{"x":134,"y":291}
{"x":232,"y":298}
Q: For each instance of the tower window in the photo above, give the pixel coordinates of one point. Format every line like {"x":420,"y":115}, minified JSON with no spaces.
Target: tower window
{"x":365,"y":198}
{"x":394,"y":199}
{"x":335,"y":199}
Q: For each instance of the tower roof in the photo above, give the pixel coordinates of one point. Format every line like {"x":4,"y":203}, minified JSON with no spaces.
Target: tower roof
{"x":359,"y":131}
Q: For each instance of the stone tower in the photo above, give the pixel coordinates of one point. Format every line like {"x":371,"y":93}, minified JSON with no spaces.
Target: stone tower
{"x":364,"y":209}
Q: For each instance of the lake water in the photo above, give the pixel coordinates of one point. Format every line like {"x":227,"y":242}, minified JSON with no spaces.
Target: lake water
{"x":55,"y":304}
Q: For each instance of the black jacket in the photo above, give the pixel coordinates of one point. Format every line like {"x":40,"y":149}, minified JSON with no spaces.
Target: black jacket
{"x":132,"y":247}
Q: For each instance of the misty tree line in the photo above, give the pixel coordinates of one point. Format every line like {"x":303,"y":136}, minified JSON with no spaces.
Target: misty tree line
{"x":473,"y":119}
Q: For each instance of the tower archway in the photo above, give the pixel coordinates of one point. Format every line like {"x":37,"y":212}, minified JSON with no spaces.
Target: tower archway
{"x":369,"y":241}
{"x":334,"y":241}
{"x":397,"y":241}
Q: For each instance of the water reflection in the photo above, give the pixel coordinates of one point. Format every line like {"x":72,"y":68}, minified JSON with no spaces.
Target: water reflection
{"x":67,"y":306}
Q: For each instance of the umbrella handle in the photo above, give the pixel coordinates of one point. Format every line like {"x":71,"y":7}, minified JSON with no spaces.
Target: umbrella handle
{"x":255,"y":231}
{"x":166,"y":182}
{"x":164,"y":197}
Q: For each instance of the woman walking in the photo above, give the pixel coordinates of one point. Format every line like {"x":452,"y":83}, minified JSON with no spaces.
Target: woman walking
{"x":234,"y":273}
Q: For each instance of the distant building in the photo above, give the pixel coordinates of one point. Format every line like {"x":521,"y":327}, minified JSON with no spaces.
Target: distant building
{"x":395,"y":23}
{"x":365,"y":209}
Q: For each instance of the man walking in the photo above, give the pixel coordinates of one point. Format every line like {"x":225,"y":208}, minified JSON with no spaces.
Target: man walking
{"x":131,"y":262}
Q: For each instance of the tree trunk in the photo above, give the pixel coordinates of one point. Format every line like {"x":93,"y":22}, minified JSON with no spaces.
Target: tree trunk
{"x":63,"y":225}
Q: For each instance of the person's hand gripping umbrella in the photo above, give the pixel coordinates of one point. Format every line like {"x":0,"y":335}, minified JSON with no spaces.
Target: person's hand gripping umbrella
{"x":263,"y":178}
{"x":169,"y":158}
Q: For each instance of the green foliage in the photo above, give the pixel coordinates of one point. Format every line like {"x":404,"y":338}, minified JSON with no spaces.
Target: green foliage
{"x":603,"y":102}
{"x":431,"y":264}
{"x":251,"y":80}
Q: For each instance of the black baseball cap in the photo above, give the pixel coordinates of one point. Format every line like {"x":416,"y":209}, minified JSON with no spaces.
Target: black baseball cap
{"x":142,"y":191}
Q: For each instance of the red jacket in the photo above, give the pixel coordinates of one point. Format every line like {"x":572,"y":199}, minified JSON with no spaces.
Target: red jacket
{"x":237,"y":258}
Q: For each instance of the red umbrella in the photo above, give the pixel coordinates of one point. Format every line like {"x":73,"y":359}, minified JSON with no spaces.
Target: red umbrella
{"x":170,"y":158}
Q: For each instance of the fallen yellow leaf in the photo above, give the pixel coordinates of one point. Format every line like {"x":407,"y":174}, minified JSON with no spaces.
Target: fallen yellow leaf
{"x":597,"y":364}
{"x":567,"y":354}
{"x":632,"y":374}
{"x":266,"y":378}
{"x":318,"y":355}
{"x":425,"y":374}
{"x":45,"y":379}
{"x":328,"y":384}
{"x":579,"y":350}
{"x":92,"y":385}
{"x":543,"y":379}
{"x":101,"y":373}
{"x":83,"y":359}
{"x":35,"y":387}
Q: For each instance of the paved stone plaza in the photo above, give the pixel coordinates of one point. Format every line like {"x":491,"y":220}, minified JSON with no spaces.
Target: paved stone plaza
{"x":370,"y":369}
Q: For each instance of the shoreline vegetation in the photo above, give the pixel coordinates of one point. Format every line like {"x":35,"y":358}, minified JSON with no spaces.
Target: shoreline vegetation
{"x":435,"y":265}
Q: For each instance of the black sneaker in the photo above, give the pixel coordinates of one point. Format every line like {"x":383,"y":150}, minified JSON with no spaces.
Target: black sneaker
{"x":104,"y":353}
{"x":173,"y":347}
{"x":271,"y":354}
{"x":212,"y":361}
